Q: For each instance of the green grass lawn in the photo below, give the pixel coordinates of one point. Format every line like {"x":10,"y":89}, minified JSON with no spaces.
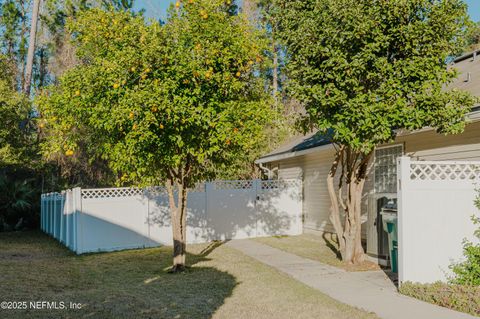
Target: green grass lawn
{"x":315,"y":247}
{"x":456,"y":297}
{"x":222,"y":283}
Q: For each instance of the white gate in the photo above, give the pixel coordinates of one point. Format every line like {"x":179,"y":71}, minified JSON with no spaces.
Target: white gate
{"x":88,"y":220}
{"x":435,"y":203}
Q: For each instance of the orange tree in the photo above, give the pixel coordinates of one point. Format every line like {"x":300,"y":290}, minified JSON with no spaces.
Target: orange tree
{"x":171,"y":103}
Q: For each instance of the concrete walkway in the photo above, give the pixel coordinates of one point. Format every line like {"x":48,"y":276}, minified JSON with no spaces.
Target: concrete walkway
{"x":371,"y":290}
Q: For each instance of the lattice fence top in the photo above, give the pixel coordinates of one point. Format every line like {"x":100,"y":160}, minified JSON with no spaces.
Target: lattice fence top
{"x":53,"y":196}
{"x":111,"y":192}
{"x":430,"y":171}
{"x":155,"y":190}
{"x":200,"y":187}
{"x":280,"y":184}
{"x":240,"y":184}
{"x":100,"y":193}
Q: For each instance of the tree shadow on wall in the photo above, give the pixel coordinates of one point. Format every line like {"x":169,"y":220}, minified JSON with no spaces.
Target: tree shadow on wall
{"x":230,"y":214}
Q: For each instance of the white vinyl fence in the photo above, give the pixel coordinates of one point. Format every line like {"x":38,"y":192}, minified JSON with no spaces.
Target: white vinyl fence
{"x":435,"y":203}
{"x":89,"y":220}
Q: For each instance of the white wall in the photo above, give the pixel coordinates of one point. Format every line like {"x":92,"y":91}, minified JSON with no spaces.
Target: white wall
{"x":435,"y":204}
{"x":122,"y":218}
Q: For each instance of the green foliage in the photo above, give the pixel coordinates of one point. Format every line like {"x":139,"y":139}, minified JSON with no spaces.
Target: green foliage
{"x":467,"y":272}
{"x":456,"y":297}
{"x":366,"y":69}
{"x":473,"y":38}
{"x":160,"y":100}
{"x":17,"y":198}
{"x":14,"y":112}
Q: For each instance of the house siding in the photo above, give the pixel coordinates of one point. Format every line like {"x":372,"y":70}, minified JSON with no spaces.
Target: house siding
{"x":314,"y":167}
{"x":430,"y":145}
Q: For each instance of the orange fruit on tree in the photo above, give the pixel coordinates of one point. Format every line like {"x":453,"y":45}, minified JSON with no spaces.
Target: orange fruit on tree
{"x":116,"y":85}
{"x":238,"y":74}
{"x":131,"y":115}
{"x":77,"y":93}
{"x":161,"y":126}
{"x":69,"y":152}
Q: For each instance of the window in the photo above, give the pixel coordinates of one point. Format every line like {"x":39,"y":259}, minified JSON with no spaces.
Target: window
{"x":386,"y":168}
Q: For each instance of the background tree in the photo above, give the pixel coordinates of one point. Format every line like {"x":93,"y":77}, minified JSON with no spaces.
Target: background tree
{"x":14,"y":112}
{"x":31,"y":46}
{"x":173,"y":103}
{"x":473,"y":38}
{"x":365,"y":70}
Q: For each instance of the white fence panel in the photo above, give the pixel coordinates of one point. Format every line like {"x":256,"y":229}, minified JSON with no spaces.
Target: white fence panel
{"x":90,"y":220}
{"x":435,"y":203}
{"x":159,"y":220}
{"x":113,"y":219}
{"x":279,"y":208}
{"x":231,"y":209}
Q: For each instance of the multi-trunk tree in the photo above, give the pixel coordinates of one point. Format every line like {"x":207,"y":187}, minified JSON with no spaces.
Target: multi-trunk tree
{"x":364,"y":70}
{"x":173,"y":103}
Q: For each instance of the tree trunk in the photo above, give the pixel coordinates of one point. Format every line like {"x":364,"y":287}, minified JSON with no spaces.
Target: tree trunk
{"x":275,"y":70}
{"x":31,"y":47}
{"x":179,"y":223}
{"x":349,"y":233}
{"x":335,"y":207}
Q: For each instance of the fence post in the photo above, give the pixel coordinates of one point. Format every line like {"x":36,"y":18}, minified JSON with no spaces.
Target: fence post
{"x":50,"y":214}
{"x":61,"y":212}
{"x":41,"y":212}
{"x":403,"y":179}
{"x":68,"y":218}
{"x":55,"y":216}
{"x":77,"y":220}
{"x":257,"y":188}
{"x":208,"y":191}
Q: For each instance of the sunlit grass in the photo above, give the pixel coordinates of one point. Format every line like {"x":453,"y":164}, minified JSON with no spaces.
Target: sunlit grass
{"x":315,"y":247}
{"x":221,"y":283}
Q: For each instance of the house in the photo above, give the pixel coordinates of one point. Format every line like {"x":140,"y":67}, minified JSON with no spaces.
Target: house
{"x":310,"y":157}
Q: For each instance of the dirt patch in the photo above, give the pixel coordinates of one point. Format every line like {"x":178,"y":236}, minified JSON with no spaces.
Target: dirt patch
{"x":364,"y":266}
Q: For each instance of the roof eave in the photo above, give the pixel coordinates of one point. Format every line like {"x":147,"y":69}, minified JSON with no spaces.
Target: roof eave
{"x":286,"y":155}
{"x":472,"y":116}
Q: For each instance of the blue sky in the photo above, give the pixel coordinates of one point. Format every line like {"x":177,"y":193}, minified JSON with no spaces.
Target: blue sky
{"x":157,"y":8}
{"x":474,"y":9}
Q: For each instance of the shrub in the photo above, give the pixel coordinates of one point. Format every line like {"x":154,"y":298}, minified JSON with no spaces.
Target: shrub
{"x":467,"y":272}
{"x":457,"y":297}
{"x":18,"y":201}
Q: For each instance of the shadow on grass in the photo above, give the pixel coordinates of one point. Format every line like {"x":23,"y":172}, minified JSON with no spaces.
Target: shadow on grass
{"x":124,"y":284}
{"x":332,"y":243}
